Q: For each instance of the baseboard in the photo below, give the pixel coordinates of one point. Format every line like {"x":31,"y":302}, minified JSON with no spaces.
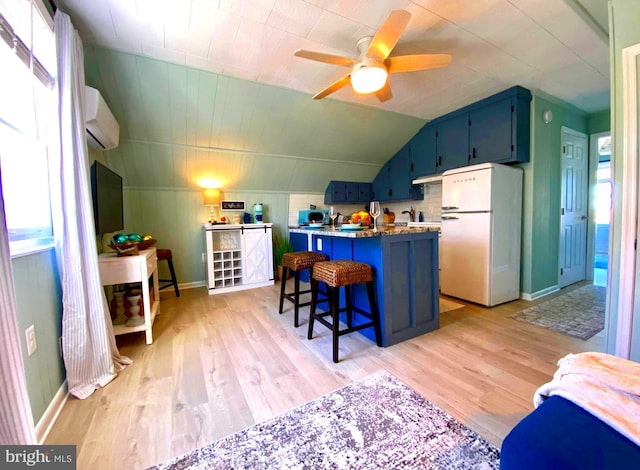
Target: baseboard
{"x":192,"y":285}
{"x":540,"y":293}
{"x":51,"y":413}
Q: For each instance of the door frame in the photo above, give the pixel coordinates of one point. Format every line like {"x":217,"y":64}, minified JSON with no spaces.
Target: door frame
{"x":591,"y":209}
{"x":568,"y":130}
{"x":626,"y":298}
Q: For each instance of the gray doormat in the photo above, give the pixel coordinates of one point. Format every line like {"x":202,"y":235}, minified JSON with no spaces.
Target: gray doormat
{"x":375,"y":423}
{"x":579,"y":313}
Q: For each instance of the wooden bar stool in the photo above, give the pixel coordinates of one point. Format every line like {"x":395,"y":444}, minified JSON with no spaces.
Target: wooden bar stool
{"x":336,"y":274}
{"x":297,"y":262}
{"x":166,"y":255}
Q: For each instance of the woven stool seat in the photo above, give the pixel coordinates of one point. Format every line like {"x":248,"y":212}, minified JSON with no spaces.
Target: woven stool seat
{"x":296,"y":262}
{"x":302,"y":259}
{"x":342,"y":272}
{"x":337,"y":274}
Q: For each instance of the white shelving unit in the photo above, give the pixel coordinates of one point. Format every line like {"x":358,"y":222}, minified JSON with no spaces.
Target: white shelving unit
{"x":227,"y":268}
{"x":238,"y":257}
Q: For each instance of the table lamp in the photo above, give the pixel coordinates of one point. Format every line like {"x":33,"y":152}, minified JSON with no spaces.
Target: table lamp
{"x":211,"y":198}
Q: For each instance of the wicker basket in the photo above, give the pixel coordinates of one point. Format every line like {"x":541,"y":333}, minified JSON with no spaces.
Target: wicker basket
{"x":132,"y":248}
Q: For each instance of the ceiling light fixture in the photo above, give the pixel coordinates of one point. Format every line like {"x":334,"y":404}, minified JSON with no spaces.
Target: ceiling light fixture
{"x":368,"y":78}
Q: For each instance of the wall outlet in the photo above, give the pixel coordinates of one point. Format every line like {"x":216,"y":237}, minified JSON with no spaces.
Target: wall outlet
{"x":204,"y":257}
{"x":30,"y":334}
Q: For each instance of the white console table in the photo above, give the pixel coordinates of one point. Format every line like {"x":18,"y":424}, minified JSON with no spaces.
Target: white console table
{"x":128,"y":269}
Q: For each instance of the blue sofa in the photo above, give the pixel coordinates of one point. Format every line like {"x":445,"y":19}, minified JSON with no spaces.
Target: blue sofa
{"x":561,"y":435}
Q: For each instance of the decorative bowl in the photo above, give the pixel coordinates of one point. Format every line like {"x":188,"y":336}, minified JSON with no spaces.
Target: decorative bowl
{"x":316,"y":225}
{"x":351,"y":226}
{"x":131,"y":248}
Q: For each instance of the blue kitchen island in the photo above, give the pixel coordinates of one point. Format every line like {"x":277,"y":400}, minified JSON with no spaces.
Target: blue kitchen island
{"x":405,"y":267}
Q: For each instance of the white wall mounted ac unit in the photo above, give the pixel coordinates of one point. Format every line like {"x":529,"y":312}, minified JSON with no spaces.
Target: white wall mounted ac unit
{"x":103,"y":131}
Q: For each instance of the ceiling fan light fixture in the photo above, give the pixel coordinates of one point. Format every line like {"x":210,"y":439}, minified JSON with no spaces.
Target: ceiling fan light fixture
{"x":368,"y":78}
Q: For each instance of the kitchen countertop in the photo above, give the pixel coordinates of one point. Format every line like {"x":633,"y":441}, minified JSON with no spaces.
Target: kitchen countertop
{"x":367,"y":232}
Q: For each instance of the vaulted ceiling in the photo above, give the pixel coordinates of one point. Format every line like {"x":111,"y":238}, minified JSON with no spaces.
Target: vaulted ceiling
{"x":557,"y":46}
{"x":218,"y":82}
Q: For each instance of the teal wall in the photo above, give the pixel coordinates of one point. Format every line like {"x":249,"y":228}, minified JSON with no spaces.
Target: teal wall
{"x":39,"y":303}
{"x":600,"y":122}
{"x":541,"y":204}
{"x":624,"y":18}
{"x":175,"y":216}
{"x":179,"y":124}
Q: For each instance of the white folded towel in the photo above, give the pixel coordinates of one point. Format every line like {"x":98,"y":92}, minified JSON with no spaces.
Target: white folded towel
{"x":606,"y":386}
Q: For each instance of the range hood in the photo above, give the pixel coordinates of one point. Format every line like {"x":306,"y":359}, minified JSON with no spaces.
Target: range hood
{"x":428,"y":179}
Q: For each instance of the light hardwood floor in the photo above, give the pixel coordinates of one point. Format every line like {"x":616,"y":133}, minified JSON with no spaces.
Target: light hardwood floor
{"x":221,"y":363}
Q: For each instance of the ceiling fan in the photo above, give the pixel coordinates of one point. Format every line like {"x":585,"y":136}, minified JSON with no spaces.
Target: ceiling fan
{"x":370,"y":71}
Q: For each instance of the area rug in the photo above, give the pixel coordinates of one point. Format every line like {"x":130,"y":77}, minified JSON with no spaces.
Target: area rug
{"x":579,"y":313}
{"x":446,"y":305}
{"x":375,"y":423}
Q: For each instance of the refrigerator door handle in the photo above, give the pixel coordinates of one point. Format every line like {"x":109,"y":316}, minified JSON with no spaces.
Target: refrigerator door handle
{"x":449,"y":208}
{"x":449,"y":217}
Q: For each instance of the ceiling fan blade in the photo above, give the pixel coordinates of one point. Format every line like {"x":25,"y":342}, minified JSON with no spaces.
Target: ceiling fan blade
{"x":389,"y":33}
{"x":412,"y":63}
{"x":384,"y":93}
{"x":335,"y":86}
{"x":326,"y":58}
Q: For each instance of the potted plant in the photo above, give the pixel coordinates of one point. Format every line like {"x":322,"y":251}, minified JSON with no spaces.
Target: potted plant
{"x":281,"y":245}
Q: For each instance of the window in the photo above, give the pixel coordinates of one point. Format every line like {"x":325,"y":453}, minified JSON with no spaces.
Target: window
{"x":27,"y":115}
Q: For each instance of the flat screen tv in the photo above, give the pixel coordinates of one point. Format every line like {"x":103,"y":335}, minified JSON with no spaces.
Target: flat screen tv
{"x":106,"y":190}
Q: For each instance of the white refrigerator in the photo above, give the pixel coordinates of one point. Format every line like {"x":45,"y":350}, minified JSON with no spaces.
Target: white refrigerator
{"x":481,"y":225}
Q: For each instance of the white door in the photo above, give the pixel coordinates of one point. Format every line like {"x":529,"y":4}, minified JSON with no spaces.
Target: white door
{"x":573,"y":208}
{"x":257,"y":255}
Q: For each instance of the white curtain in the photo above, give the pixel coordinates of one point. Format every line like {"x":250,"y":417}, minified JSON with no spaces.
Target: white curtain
{"x":91,"y":356}
{"x":16,"y":420}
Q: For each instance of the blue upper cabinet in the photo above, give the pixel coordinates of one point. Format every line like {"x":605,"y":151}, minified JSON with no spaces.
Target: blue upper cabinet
{"x":400,"y":176}
{"x":347,"y":192}
{"x":422,"y":152}
{"x":496,"y":129}
{"x":491,"y":133}
{"x":380,"y":185}
{"x":364,"y":192}
{"x":452,"y":143}
{"x":393,"y":182}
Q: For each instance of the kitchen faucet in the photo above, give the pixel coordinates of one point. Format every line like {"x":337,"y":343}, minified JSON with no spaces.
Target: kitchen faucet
{"x":412,"y":214}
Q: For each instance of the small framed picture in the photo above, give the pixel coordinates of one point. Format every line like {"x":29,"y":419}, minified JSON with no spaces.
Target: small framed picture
{"x":232,"y":206}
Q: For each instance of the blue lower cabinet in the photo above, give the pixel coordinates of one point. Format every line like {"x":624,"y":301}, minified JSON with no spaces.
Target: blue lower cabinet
{"x":405,"y":269}
{"x":300,"y":242}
